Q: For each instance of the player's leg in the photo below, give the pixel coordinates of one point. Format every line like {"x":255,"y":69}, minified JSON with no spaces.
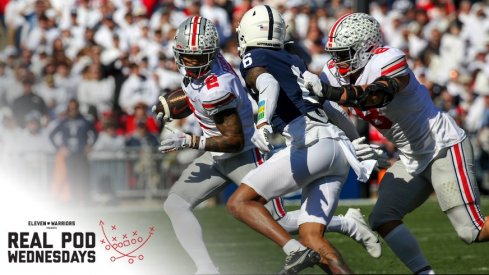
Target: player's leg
{"x":238,"y":167}
{"x":399,"y":194}
{"x":352,"y":224}
{"x":453,"y":178}
{"x":199,"y":181}
{"x":271,"y":179}
{"x":320,"y":200}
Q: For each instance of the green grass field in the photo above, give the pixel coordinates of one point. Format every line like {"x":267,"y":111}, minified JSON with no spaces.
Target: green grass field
{"x":236,"y":249}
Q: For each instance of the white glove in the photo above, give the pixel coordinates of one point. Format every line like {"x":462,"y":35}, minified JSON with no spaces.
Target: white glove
{"x":370,"y":151}
{"x":313,"y":83}
{"x":177,"y":140}
{"x":261,"y":138}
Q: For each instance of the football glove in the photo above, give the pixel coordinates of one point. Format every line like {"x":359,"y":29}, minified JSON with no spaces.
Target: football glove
{"x":313,"y":83}
{"x":370,"y":151}
{"x":176,"y":140}
{"x":261,"y":138}
{"x":162,"y":116}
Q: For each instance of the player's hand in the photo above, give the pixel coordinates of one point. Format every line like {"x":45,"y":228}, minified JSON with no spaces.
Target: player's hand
{"x":175,"y":141}
{"x":261,"y":138}
{"x":370,"y":151}
{"x":313,"y":83}
{"x":160,"y":116}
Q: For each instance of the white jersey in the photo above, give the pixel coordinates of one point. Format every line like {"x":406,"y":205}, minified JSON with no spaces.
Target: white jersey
{"x":411,"y":121}
{"x":220,"y":90}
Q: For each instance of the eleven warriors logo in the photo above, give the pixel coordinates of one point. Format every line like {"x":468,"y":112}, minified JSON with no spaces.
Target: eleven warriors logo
{"x":124,"y":244}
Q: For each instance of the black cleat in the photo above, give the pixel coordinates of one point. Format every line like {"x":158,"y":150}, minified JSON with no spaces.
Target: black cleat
{"x":299,"y":260}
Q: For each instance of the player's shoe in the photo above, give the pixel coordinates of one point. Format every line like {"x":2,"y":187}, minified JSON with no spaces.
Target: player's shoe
{"x":364,"y":234}
{"x":299,"y":260}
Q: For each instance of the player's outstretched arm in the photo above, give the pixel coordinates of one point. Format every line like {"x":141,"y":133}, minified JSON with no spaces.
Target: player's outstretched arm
{"x":374,"y":95}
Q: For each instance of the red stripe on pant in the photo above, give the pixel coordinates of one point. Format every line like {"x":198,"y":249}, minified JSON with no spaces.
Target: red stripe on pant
{"x":466,"y":187}
{"x":258,"y":157}
{"x":279,"y":207}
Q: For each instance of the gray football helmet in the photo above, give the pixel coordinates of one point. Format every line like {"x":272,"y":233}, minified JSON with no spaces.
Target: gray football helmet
{"x":352,"y":41}
{"x":196,"y":37}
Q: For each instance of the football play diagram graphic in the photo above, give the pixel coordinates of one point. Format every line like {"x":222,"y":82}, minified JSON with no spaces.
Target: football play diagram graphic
{"x":123,"y":244}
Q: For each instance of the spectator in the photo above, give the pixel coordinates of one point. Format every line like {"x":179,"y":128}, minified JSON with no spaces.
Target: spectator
{"x":3,"y":25}
{"x":142,"y":137}
{"x":4,"y":77}
{"x":28,"y":101}
{"x":141,"y":116}
{"x":136,"y":89}
{"x":108,"y":139}
{"x":95,"y":91}
{"x":73,"y":138}
{"x":219,"y":17}
{"x":56,"y":98}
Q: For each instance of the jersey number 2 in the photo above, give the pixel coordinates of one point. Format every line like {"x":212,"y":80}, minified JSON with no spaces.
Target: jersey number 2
{"x":211,"y":82}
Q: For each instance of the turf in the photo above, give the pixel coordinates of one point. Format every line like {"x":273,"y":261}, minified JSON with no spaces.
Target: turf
{"x":236,"y":249}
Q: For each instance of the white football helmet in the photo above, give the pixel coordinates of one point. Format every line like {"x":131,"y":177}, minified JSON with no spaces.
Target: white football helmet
{"x":352,"y":41}
{"x":263,"y":27}
{"x":196,"y":36}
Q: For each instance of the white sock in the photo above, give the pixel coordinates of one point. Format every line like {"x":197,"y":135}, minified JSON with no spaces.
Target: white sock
{"x":189,"y":232}
{"x":342,"y":225}
{"x":405,"y":246}
{"x":289,"y":221}
{"x":292,"y":246}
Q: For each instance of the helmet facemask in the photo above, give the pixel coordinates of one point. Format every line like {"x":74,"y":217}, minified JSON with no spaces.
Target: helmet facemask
{"x":197,"y":64}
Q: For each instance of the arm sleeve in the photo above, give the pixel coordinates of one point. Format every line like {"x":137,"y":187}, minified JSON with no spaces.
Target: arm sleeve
{"x":268,"y":88}
{"x":340,"y":118}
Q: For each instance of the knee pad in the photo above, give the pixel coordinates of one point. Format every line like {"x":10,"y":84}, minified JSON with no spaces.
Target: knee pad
{"x":174,"y":204}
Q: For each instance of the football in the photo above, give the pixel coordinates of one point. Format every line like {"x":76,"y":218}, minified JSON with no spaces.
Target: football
{"x":176,"y":105}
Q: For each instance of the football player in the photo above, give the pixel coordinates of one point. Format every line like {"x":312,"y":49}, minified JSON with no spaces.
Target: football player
{"x":318,"y":154}
{"x":224,"y":112}
{"x":376,"y":83}
{"x":222,"y":107}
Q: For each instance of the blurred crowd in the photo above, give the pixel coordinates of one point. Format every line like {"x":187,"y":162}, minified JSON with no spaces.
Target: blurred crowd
{"x":101,"y":64}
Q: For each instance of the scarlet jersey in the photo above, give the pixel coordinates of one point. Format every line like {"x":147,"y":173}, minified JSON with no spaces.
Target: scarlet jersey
{"x":410,"y":121}
{"x":221,"y":90}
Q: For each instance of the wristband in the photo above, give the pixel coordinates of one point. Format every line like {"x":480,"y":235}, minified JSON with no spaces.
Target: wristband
{"x":200,"y":144}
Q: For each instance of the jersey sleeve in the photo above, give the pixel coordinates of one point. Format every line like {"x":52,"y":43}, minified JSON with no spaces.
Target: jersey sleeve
{"x":218,"y":96}
{"x":390,"y":62}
